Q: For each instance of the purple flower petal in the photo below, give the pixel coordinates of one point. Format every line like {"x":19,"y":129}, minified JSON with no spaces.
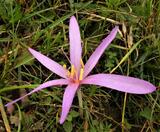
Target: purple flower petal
{"x":75,"y":43}
{"x":48,"y":63}
{"x":42,"y":86}
{"x":121,"y":83}
{"x":67,"y":100}
{"x":90,"y":64}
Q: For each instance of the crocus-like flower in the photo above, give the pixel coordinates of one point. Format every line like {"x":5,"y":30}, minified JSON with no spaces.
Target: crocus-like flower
{"x":79,"y":72}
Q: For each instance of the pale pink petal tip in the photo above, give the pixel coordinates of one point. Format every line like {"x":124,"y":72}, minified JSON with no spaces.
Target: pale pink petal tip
{"x":116,"y":28}
{"x":73,"y":18}
{"x":61,"y":121}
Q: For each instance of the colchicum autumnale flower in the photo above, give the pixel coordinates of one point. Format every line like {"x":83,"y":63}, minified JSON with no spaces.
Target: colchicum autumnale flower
{"x":79,"y":72}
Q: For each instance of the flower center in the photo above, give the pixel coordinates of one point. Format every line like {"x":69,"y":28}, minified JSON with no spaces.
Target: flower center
{"x":73,"y":74}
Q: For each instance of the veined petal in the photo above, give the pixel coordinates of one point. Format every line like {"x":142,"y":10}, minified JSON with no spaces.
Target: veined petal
{"x":42,"y":86}
{"x":50,"y":64}
{"x":121,"y":83}
{"x":67,"y":100}
{"x":92,"y":61}
{"x":75,"y":43}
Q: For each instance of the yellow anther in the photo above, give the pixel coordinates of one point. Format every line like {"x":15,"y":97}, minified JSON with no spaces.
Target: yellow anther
{"x":82,"y":64}
{"x":68,"y":73}
{"x":72,"y":71}
{"x":81,"y":74}
{"x":64,"y":66}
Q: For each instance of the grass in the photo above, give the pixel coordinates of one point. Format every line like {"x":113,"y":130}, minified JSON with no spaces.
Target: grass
{"x":43,"y":25}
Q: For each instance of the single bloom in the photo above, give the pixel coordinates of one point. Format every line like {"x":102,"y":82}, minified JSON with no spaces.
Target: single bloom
{"x":79,"y":73}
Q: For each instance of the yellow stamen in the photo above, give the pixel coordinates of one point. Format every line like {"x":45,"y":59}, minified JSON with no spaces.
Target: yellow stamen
{"x":72,"y":71}
{"x":64,"y":66}
{"x":82,"y":64}
{"x":68,"y":73}
{"x":81,"y":74}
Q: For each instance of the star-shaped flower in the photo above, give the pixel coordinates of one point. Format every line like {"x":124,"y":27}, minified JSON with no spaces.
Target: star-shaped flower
{"x":79,"y":73}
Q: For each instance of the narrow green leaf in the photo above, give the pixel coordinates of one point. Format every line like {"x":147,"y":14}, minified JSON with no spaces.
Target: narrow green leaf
{"x":4,"y":117}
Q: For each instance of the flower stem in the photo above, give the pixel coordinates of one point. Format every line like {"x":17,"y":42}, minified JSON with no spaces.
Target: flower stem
{"x":80,"y":102}
{"x":123,"y":112}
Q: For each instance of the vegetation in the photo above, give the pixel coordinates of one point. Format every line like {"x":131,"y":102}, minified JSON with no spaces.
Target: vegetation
{"x":43,"y":25}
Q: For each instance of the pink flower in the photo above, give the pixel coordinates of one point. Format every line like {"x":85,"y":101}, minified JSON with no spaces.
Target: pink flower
{"x":79,"y":72}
